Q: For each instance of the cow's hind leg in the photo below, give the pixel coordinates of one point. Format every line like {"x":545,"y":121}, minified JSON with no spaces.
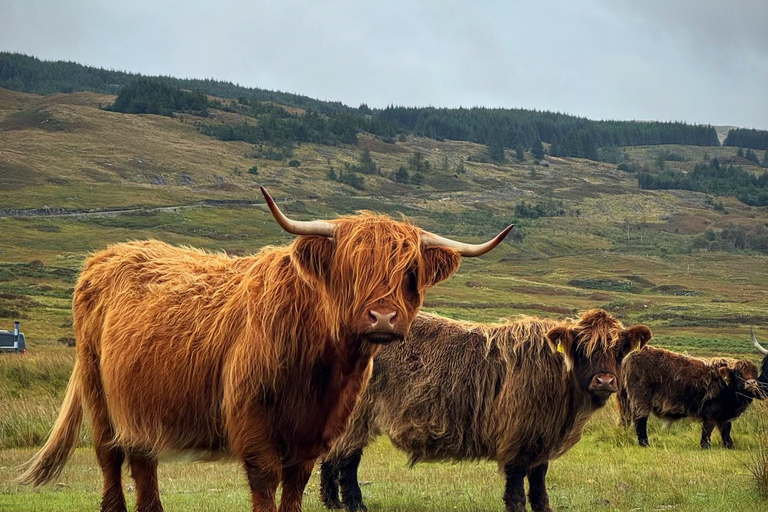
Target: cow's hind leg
{"x":725,"y":433}
{"x":110,"y":460}
{"x":144,"y":472}
{"x":641,"y":428}
{"x":109,"y":456}
{"x":537,"y":488}
{"x":707,"y":426}
{"x":295,"y":479}
{"x":351,"y":494}
{"x":514,"y":492}
{"x":329,"y":484}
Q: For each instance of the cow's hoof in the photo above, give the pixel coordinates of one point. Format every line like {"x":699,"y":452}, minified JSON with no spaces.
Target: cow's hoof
{"x":332,"y":503}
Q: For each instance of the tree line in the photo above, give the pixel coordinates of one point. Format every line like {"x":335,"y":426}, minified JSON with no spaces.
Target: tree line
{"x":712,"y":178}
{"x":24,"y":73}
{"x":567,"y":135}
{"x":747,"y":138}
{"x":335,"y":123}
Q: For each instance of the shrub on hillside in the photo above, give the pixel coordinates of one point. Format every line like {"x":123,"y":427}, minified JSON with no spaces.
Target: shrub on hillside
{"x":154,"y":96}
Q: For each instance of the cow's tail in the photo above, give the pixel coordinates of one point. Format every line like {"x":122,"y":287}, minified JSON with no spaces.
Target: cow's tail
{"x":47,"y":464}
{"x":624,"y":407}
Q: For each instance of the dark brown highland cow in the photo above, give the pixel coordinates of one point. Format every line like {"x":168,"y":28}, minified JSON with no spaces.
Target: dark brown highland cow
{"x":673,"y":386}
{"x":465,"y":391}
{"x":262,"y":357}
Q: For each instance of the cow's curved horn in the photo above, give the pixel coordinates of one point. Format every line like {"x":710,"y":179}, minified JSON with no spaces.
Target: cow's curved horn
{"x":467,"y":250}
{"x":298,"y":227}
{"x":757,"y":345}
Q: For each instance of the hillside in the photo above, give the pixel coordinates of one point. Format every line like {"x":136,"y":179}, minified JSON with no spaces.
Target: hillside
{"x":693,"y":266}
{"x":599,"y":240}
{"x":499,"y":128}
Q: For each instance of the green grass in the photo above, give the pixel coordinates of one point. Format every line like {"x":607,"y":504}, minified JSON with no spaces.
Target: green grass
{"x":605,"y":471}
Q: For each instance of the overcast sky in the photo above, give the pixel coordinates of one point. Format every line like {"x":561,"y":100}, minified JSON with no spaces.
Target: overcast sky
{"x":694,"y":60}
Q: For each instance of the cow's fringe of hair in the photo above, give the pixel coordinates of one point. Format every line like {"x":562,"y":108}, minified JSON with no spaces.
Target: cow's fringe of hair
{"x":48,"y":463}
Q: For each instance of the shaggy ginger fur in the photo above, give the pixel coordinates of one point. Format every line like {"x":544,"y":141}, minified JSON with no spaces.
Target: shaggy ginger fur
{"x":263,"y":357}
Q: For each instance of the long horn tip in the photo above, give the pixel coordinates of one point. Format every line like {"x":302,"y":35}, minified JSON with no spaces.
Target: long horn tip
{"x":505,"y":232}
{"x":268,"y":198}
{"x":757,"y":345}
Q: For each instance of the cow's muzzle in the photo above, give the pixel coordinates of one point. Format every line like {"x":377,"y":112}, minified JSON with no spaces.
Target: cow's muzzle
{"x":604,"y":383}
{"x":382,"y":326}
{"x":753,"y":387}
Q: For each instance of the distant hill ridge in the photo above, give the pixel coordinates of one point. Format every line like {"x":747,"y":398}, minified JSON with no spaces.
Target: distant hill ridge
{"x":497,"y":128}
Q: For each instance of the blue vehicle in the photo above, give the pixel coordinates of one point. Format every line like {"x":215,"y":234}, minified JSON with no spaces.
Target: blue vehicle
{"x":13,"y":341}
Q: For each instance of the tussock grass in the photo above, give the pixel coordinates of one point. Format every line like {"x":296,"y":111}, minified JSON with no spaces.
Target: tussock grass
{"x":758,"y":461}
{"x":31,"y":390}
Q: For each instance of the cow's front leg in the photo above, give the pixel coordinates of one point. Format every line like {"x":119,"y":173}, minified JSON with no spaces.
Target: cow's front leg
{"x":641,"y":428}
{"x":329,"y":484}
{"x":351,"y":494}
{"x":263,"y":476}
{"x":537,"y":488}
{"x":707,"y":426}
{"x":725,"y":433}
{"x":295,"y":479}
{"x":514,"y":492}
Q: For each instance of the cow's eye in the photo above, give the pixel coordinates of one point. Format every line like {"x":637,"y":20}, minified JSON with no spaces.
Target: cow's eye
{"x":411,"y":281}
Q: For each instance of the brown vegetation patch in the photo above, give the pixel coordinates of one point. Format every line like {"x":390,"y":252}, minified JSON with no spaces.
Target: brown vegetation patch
{"x":82,"y":99}
{"x":376,"y":145}
{"x":687,"y":224}
{"x":16,"y":176}
{"x":538,"y":290}
{"x":15,"y":306}
{"x":675,"y":289}
{"x":57,"y":180}
{"x":68,"y":341}
{"x":13,"y":100}
{"x":98,"y":175}
{"x":592,"y":190}
{"x":37,"y":119}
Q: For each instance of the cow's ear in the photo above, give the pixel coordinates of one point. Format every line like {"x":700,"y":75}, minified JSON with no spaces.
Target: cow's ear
{"x":635,"y":338}
{"x":561,"y":340}
{"x":725,"y":373}
{"x":313,"y":255}
{"x":439,"y":263}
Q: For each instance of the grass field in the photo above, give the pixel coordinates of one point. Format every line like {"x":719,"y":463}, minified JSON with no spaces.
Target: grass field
{"x":605,"y":471}
{"x":617,"y":247}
